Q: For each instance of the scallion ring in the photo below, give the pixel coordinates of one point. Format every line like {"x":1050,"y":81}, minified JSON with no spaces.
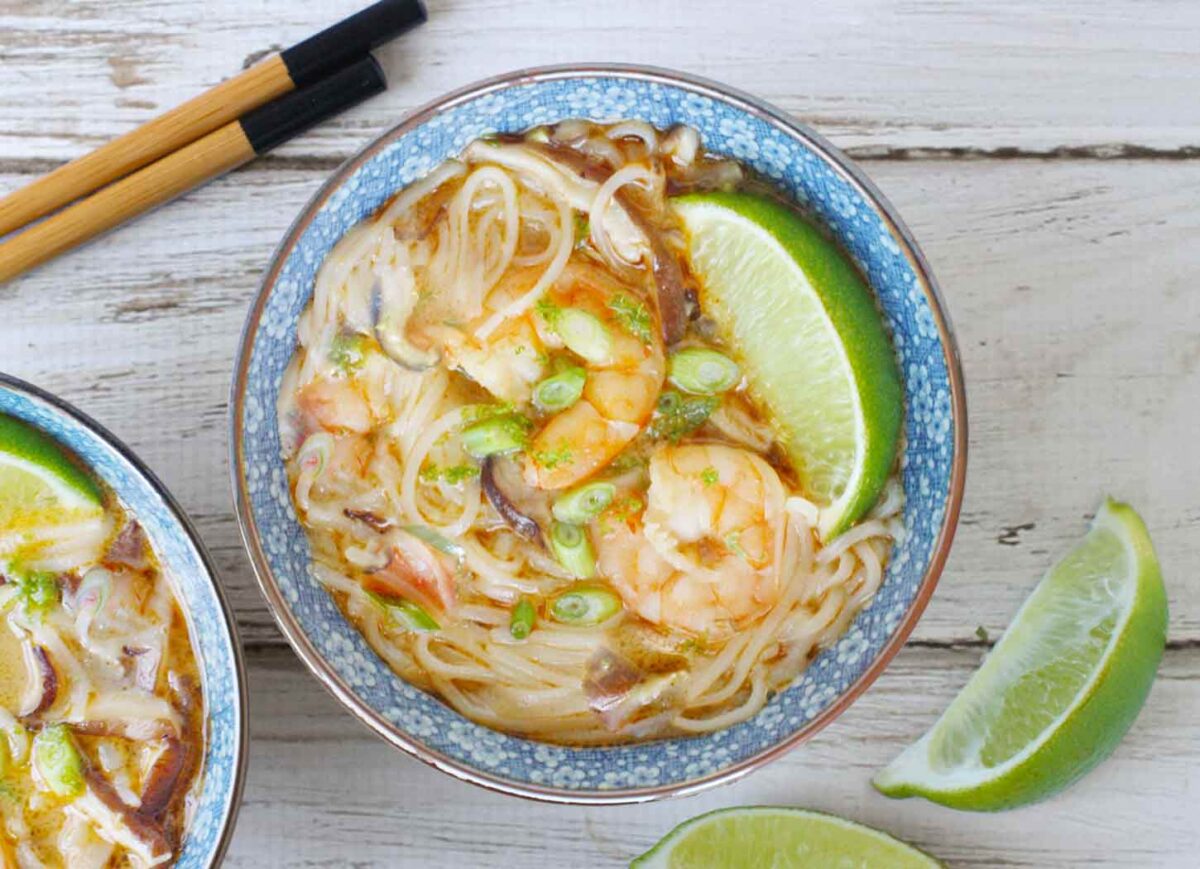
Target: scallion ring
{"x":701,"y":371}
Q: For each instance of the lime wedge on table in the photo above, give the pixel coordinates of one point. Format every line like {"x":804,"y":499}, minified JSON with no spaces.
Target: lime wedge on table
{"x":40,"y":487}
{"x":811,"y":342}
{"x":1061,"y":687}
{"x":762,"y":837}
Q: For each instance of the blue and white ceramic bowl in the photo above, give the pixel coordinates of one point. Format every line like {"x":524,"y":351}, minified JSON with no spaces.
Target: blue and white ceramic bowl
{"x":807,"y":169}
{"x":181,"y":553}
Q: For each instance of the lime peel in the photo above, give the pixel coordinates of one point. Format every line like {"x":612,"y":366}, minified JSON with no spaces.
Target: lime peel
{"x":991,"y":750}
{"x":763,"y":837}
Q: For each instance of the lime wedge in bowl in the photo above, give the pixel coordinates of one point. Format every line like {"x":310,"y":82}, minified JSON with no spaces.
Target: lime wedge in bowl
{"x":42,"y":490}
{"x":766,"y":837}
{"x":811,"y":341}
{"x":1062,"y":686}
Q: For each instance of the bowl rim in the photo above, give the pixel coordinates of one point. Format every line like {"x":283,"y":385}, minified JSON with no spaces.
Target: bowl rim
{"x":230,"y":814}
{"x":835,"y":159}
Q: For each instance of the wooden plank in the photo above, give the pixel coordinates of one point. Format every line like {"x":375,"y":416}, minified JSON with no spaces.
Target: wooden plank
{"x":875,"y":75}
{"x":324,"y":791}
{"x":1070,"y":284}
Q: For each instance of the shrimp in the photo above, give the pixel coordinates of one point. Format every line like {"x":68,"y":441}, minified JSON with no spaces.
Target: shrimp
{"x":621,"y":389}
{"x":704,"y":556}
{"x":335,"y":405}
{"x":619,"y":395}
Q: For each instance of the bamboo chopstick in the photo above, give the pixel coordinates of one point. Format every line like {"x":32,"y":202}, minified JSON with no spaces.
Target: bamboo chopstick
{"x":303,"y":64}
{"x":220,"y":151}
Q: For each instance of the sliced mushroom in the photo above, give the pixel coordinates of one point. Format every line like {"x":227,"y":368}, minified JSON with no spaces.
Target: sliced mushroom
{"x":42,"y":690}
{"x":621,"y":693}
{"x":525,"y":525}
{"x":121,"y":823}
{"x":128,"y":547}
{"x":164,"y":778}
{"x":668,"y":277}
{"x":372,"y":520}
{"x":392,"y":301}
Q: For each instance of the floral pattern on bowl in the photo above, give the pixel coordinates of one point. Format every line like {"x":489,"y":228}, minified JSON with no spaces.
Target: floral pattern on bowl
{"x":183,"y":559}
{"x":933,"y":462}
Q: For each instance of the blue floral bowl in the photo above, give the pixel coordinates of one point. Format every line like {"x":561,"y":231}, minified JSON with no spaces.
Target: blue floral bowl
{"x":213,"y":630}
{"x":804,"y":167}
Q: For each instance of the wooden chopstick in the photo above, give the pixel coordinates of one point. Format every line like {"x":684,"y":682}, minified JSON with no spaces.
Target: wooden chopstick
{"x":220,"y":151}
{"x":303,"y":64}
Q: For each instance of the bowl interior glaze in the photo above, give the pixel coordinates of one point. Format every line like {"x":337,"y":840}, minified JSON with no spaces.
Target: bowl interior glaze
{"x":183,"y":558}
{"x":807,"y":170}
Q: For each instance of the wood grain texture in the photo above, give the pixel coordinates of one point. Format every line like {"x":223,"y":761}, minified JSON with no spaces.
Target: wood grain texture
{"x":324,"y":792}
{"x":876,"y":75}
{"x":159,"y":136}
{"x":1071,"y":285}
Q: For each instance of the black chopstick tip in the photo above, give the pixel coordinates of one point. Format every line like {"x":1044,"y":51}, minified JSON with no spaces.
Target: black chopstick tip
{"x":350,"y":39}
{"x":292,"y":114}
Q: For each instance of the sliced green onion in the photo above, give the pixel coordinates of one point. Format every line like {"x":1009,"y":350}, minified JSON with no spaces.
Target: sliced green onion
{"x":583,"y":503}
{"x":584,"y":334}
{"x":496,"y":436}
{"x":560,"y":391}
{"x":405,"y":613}
{"x":701,"y":371}
{"x":523,"y":617}
{"x":573,"y":549}
{"x":436,"y":540}
{"x":589,"y":605}
{"x":348,"y":351}
{"x":57,"y":761}
{"x":315,"y":452}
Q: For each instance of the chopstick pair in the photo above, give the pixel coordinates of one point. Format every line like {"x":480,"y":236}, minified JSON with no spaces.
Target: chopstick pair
{"x":221,"y":129}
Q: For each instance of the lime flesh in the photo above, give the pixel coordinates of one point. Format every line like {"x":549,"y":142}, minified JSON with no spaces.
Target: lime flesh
{"x":1062,"y":686}
{"x":811,"y":342}
{"x":40,"y":487}
{"x":765,"y":837}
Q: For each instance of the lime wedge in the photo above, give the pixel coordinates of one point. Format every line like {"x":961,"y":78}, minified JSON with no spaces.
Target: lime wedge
{"x":40,"y":487}
{"x":1061,"y":687}
{"x":763,"y":837}
{"x":811,"y":343}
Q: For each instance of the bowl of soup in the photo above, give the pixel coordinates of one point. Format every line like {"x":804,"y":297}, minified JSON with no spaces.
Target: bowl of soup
{"x":122,"y":704}
{"x":598,"y":434}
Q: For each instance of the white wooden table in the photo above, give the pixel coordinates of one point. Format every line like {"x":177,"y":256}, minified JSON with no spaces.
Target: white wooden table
{"x":1047,"y":156}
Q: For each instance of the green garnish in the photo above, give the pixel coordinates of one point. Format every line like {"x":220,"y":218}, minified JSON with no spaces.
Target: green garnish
{"x":560,"y":391}
{"x":480,"y":412}
{"x":57,"y":761}
{"x":679,"y":415}
{"x":709,"y":476}
{"x":627,"y":462}
{"x":573,"y":549}
{"x":496,"y":436}
{"x":548,"y":311}
{"x":36,"y":591}
{"x":523,"y":617}
{"x":701,"y":371}
{"x":437,"y":541}
{"x":453,"y":475}
{"x":404,"y":613}
{"x":589,"y":605}
{"x":583,"y":333}
{"x":583,"y":503}
{"x":633,"y":316}
{"x":348,"y":351}
{"x":551,"y":459}
{"x":583,"y":228}
{"x":731,"y":541}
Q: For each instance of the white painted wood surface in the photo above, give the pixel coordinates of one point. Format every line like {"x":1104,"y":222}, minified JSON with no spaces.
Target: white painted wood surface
{"x":1047,"y":156}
